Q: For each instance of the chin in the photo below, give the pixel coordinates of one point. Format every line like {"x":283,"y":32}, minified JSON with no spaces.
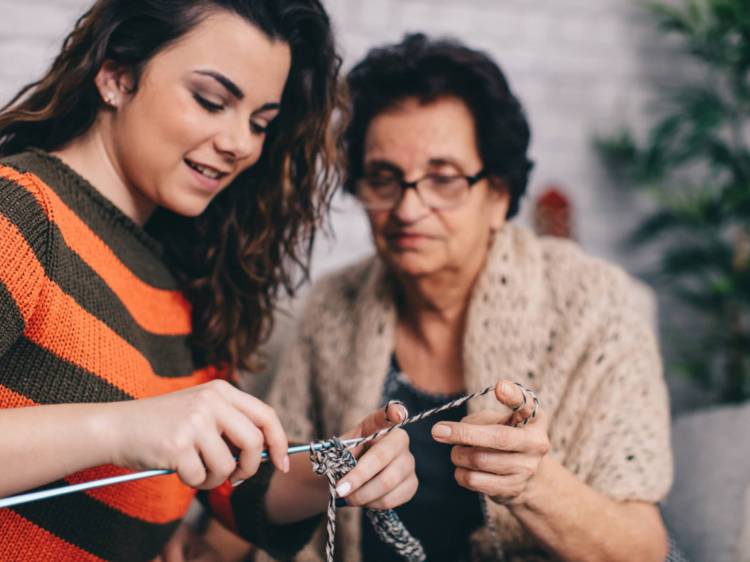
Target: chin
{"x":411,"y":266}
{"x":189,"y":207}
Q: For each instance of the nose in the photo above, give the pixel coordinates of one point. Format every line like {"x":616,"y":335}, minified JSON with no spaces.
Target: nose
{"x":410,"y":208}
{"x":238,"y":142}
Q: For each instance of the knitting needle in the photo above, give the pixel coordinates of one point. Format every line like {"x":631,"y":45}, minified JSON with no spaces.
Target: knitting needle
{"x":64,"y":490}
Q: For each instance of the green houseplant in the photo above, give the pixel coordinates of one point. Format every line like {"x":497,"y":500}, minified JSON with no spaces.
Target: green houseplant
{"x":694,"y":164}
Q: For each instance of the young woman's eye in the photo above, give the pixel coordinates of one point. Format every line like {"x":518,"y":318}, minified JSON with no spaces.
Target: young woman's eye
{"x":257,"y":128}
{"x":208,"y":105}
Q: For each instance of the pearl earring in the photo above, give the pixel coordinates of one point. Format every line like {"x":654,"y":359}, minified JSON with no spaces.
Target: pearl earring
{"x":110,"y":98}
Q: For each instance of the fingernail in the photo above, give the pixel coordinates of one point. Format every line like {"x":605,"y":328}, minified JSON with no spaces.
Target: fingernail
{"x":441,"y":431}
{"x":342,"y":502}
{"x":343,"y":489}
{"x":285,"y":464}
{"x":236,"y":483}
{"x":505,"y":388}
{"x":403,"y":412}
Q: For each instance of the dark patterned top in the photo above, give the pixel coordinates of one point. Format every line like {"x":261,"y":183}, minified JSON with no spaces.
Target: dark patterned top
{"x":442,"y":514}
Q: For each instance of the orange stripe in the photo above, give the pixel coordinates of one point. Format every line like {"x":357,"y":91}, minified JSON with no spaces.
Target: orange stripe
{"x":63,"y":327}
{"x":11,"y":399}
{"x":159,"y":500}
{"x":21,"y":272}
{"x":155,"y":500}
{"x":23,"y":541}
{"x":157,"y":311}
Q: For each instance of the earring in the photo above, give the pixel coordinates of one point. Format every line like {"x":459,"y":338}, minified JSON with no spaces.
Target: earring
{"x":109,"y":99}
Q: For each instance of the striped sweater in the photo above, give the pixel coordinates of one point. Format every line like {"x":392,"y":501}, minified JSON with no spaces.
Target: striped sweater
{"x":90,"y":313}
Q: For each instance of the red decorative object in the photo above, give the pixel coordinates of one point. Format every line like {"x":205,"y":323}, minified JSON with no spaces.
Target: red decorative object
{"x":553,"y":213}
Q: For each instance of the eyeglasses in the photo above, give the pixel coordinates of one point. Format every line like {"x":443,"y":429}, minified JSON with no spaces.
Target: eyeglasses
{"x":437,"y":191}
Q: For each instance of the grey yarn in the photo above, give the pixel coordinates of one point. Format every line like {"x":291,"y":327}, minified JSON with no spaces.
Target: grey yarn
{"x":332,"y":459}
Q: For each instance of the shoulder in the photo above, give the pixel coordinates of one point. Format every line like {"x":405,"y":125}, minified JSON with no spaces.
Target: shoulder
{"x":343,"y":286}
{"x":24,"y":202}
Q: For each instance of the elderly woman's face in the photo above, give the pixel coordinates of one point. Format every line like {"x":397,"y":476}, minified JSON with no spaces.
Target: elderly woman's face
{"x":413,"y":140}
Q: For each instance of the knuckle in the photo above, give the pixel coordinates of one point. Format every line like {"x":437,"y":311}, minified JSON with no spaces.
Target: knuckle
{"x":219,"y":386}
{"x":482,"y":460}
{"x":500,"y":439}
{"x":390,"y":480}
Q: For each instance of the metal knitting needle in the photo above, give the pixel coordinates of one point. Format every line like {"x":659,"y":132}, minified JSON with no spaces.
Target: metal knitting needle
{"x":64,"y":490}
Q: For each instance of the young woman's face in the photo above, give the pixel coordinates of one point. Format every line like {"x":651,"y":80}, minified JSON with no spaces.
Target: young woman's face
{"x":199,"y":115}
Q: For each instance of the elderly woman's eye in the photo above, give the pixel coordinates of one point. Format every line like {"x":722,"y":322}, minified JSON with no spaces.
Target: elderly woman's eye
{"x":382,"y":181}
{"x":445,"y":180}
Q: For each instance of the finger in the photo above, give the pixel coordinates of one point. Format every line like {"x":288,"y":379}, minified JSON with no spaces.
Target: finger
{"x":487,"y":417}
{"x":392,"y":413}
{"x":499,"y":487}
{"x":190,"y":469}
{"x":398,"y":496}
{"x":520,"y":401}
{"x":217,"y":458}
{"x":247,"y":438}
{"x":500,"y":437}
{"x":492,"y":461}
{"x":374,"y":460}
{"x":511,"y":395}
{"x":266,"y":420}
{"x":387,"y":480}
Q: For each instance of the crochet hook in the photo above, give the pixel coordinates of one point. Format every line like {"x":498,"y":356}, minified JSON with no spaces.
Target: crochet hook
{"x":83,"y":486}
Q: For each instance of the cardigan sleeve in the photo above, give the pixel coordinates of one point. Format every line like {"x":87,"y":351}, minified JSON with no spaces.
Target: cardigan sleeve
{"x":626,"y":420}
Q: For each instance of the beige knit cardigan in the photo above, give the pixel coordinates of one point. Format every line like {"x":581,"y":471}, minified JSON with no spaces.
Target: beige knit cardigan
{"x":541,"y":313}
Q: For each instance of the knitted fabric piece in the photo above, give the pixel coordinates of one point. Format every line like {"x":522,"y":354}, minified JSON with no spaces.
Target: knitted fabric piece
{"x":333,"y":460}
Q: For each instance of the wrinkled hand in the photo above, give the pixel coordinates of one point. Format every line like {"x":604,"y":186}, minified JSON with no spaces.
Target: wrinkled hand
{"x":192,"y":432}
{"x":384,"y":477}
{"x":492,"y":457}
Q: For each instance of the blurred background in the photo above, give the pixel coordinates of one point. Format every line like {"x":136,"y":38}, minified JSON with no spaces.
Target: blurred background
{"x":595,"y":78}
{"x":641,"y":141}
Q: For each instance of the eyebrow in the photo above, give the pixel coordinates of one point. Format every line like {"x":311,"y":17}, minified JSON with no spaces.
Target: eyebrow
{"x":231,"y":87}
{"x":236,"y":91}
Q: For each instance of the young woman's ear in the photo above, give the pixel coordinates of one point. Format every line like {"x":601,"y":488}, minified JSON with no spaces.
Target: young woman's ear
{"x":499,"y":200}
{"x":114,"y":83}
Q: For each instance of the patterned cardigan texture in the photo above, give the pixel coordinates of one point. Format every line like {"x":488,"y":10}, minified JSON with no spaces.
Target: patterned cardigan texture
{"x":541,"y":313}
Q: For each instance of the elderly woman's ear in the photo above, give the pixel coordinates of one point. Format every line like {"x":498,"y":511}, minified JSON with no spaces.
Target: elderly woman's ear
{"x":499,"y":198}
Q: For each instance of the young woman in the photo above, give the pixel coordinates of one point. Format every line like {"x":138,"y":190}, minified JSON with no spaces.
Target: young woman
{"x":155,"y":185}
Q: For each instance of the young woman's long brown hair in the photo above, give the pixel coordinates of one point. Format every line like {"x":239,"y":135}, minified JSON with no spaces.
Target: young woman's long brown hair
{"x":255,"y":238}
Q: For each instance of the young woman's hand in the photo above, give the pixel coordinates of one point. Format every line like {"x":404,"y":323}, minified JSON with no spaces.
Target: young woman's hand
{"x":384,"y":477}
{"x":194,"y":433}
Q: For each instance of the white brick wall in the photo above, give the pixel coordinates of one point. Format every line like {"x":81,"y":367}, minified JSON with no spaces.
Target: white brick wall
{"x":579,"y":66}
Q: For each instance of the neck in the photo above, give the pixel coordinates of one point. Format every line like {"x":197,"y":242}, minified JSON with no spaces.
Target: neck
{"x":441,"y":298}
{"x":91,"y":156}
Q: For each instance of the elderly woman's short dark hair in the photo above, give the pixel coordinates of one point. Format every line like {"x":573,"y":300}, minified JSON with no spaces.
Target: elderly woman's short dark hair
{"x":427,"y":69}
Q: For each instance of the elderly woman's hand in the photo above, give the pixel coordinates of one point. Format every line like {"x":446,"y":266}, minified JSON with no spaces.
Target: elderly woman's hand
{"x":384,"y":477}
{"x":492,"y":456}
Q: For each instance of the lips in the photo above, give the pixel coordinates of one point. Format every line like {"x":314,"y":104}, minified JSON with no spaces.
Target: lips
{"x":208,"y":171}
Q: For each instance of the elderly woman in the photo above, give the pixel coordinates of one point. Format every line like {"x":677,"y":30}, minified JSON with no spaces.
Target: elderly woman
{"x":457,"y":299}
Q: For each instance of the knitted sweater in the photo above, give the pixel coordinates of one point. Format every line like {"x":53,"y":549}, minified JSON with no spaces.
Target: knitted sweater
{"x":541,"y":313}
{"x":90,"y":313}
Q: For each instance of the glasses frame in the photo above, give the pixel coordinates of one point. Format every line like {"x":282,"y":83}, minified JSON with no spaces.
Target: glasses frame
{"x":471,"y":180}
